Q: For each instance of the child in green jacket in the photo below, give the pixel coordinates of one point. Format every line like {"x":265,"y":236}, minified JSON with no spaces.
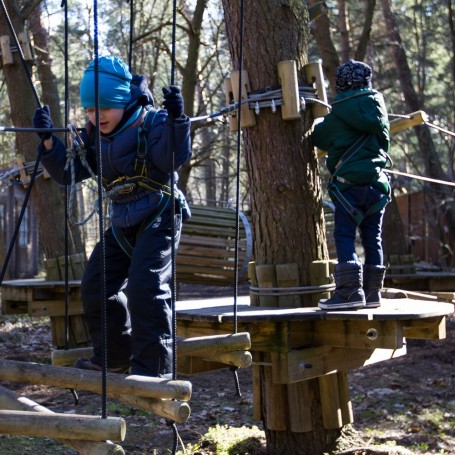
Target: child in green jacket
{"x":356,"y":135}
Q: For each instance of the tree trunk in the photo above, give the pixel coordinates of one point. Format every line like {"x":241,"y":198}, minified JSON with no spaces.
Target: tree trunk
{"x":46,"y":194}
{"x":433,"y":167}
{"x":282,"y":166}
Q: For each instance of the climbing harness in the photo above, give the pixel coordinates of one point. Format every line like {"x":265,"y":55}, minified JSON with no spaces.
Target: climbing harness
{"x":335,"y":192}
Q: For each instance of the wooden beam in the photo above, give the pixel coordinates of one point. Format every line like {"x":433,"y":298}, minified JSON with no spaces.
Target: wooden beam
{"x":33,"y":373}
{"x":58,"y":426}
{"x":300,"y":364}
{"x":13,"y":401}
{"x":413,"y":119}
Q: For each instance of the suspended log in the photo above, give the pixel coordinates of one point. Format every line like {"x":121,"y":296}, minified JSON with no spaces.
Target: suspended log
{"x":13,"y":401}
{"x":177,"y":411}
{"x":240,"y":359}
{"x":33,"y":373}
{"x":208,"y":346}
{"x":58,"y":426}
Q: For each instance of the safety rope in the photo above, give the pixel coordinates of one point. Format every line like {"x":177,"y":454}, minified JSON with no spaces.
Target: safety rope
{"x":130,"y":48}
{"x":101,"y":219}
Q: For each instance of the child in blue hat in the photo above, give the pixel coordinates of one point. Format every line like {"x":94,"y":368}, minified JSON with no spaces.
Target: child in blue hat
{"x":137,"y":171}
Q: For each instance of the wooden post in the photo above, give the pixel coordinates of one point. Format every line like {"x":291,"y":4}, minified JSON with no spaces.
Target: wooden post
{"x":265,"y":274}
{"x":287,"y":275}
{"x":13,"y":401}
{"x":287,"y":73}
{"x":7,"y":55}
{"x":314,"y":75}
{"x":229,"y":94}
{"x":320,"y":274}
{"x":248,"y":118}
{"x":330,"y":402}
{"x":33,"y":373}
{"x":25,"y":46}
{"x":62,"y":426}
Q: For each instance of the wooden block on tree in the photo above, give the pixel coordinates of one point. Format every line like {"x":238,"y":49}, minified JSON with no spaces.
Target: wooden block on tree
{"x":287,"y":275}
{"x":247,"y":115}
{"x":320,"y":274}
{"x":347,"y":415}
{"x":254,"y":298}
{"x":299,"y":399}
{"x":266,"y":276}
{"x":287,"y":73}
{"x":315,"y":76}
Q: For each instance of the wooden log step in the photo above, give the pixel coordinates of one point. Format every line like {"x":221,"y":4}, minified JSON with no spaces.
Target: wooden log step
{"x":13,"y":401}
{"x":58,"y":426}
{"x":208,"y":346}
{"x":74,"y":378}
{"x":174,"y":410}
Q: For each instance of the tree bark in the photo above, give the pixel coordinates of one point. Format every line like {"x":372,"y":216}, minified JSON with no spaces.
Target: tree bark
{"x":433,"y":167}
{"x":286,"y":201}
{"x":46,"y":194}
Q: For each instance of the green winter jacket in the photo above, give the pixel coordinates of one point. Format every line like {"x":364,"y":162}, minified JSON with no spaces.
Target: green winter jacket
{"x":354,"y":113}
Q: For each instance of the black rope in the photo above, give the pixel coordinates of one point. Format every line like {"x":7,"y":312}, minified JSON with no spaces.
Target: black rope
{"x":237,"y":195}
{"x":67,"y":331}
{"x":173,"y":230}
{"x":101,"y":221}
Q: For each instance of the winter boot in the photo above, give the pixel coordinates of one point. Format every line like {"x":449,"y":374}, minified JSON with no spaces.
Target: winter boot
{"x":349,"y":293}
{"x":373,"y":280}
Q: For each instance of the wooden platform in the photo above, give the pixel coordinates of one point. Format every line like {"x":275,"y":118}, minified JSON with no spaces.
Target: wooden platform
{"x":289,"y":338}
{"x":308,"y":342}
{"x":422,"y":281}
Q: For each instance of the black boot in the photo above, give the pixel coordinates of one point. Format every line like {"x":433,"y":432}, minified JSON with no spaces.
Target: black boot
{"x":349,"y":293}
{"x":373,"y":280}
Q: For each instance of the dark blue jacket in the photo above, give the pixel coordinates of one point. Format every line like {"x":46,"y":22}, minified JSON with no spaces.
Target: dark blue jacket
{"x":119,"y":155}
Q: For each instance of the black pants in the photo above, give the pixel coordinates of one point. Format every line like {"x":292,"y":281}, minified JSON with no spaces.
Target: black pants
{"x":138,"y":293}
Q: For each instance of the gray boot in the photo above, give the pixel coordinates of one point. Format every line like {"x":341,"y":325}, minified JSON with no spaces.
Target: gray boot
{"x":349,"y":293}
{"x":373,"y":280}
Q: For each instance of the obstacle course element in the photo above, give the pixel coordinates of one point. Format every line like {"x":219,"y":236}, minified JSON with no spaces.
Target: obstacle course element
{"x":290,"y":95}
{"x":207,"y":247}
{"x":12,"y":401}
{"x":293,"y":346}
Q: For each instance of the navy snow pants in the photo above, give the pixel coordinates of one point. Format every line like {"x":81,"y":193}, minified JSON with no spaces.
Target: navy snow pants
{"x":138,"y":294}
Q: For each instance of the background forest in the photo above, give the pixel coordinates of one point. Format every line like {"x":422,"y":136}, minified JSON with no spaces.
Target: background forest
{"x":410,"y":44}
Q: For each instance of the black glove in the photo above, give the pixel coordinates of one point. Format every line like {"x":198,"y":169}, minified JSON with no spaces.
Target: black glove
{"x":173,"y":101}
{"x":42,"y":119}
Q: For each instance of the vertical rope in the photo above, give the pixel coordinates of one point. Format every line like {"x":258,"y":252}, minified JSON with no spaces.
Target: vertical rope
{"x":67,"y":331}
{"x":237,"y":184}
{"x":101,"y":221}
{"x":173,"y":230}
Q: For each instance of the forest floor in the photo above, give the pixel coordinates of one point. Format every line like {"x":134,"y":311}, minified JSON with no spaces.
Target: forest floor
{"x":403,"y":406}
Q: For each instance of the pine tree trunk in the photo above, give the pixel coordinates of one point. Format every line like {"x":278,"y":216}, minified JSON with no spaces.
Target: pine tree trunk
{"x":282,"y":166}
{"x":46,"y":195}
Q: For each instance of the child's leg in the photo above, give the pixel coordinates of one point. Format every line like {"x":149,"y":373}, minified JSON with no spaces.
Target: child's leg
{"x":118,"y":324}
{"x":344,"y":233}
{"x":149,"y":299}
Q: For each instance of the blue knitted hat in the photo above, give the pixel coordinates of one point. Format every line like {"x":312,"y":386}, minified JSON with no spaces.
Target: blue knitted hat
{"x":353,"y":75}
{"x":114,"y":83}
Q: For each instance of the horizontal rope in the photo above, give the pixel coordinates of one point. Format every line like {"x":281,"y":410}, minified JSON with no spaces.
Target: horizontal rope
{"x":292,"y":290}
{"x":419,"y":177}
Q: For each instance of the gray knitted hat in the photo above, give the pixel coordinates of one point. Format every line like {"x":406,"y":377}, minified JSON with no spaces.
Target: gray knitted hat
{"x":353,"y":75}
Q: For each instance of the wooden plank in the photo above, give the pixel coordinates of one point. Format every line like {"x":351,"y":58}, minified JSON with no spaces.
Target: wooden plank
{"x":54,"y":307}
{"x":330,"y":402}
{"x":347,"y":415}
{"x":427,"y":329}
{"x":358,"y":333}
{"x":266,"y":276}
{"x":287,"y":275}
{"x":298,"y":365}
{"x":299,"y":405}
